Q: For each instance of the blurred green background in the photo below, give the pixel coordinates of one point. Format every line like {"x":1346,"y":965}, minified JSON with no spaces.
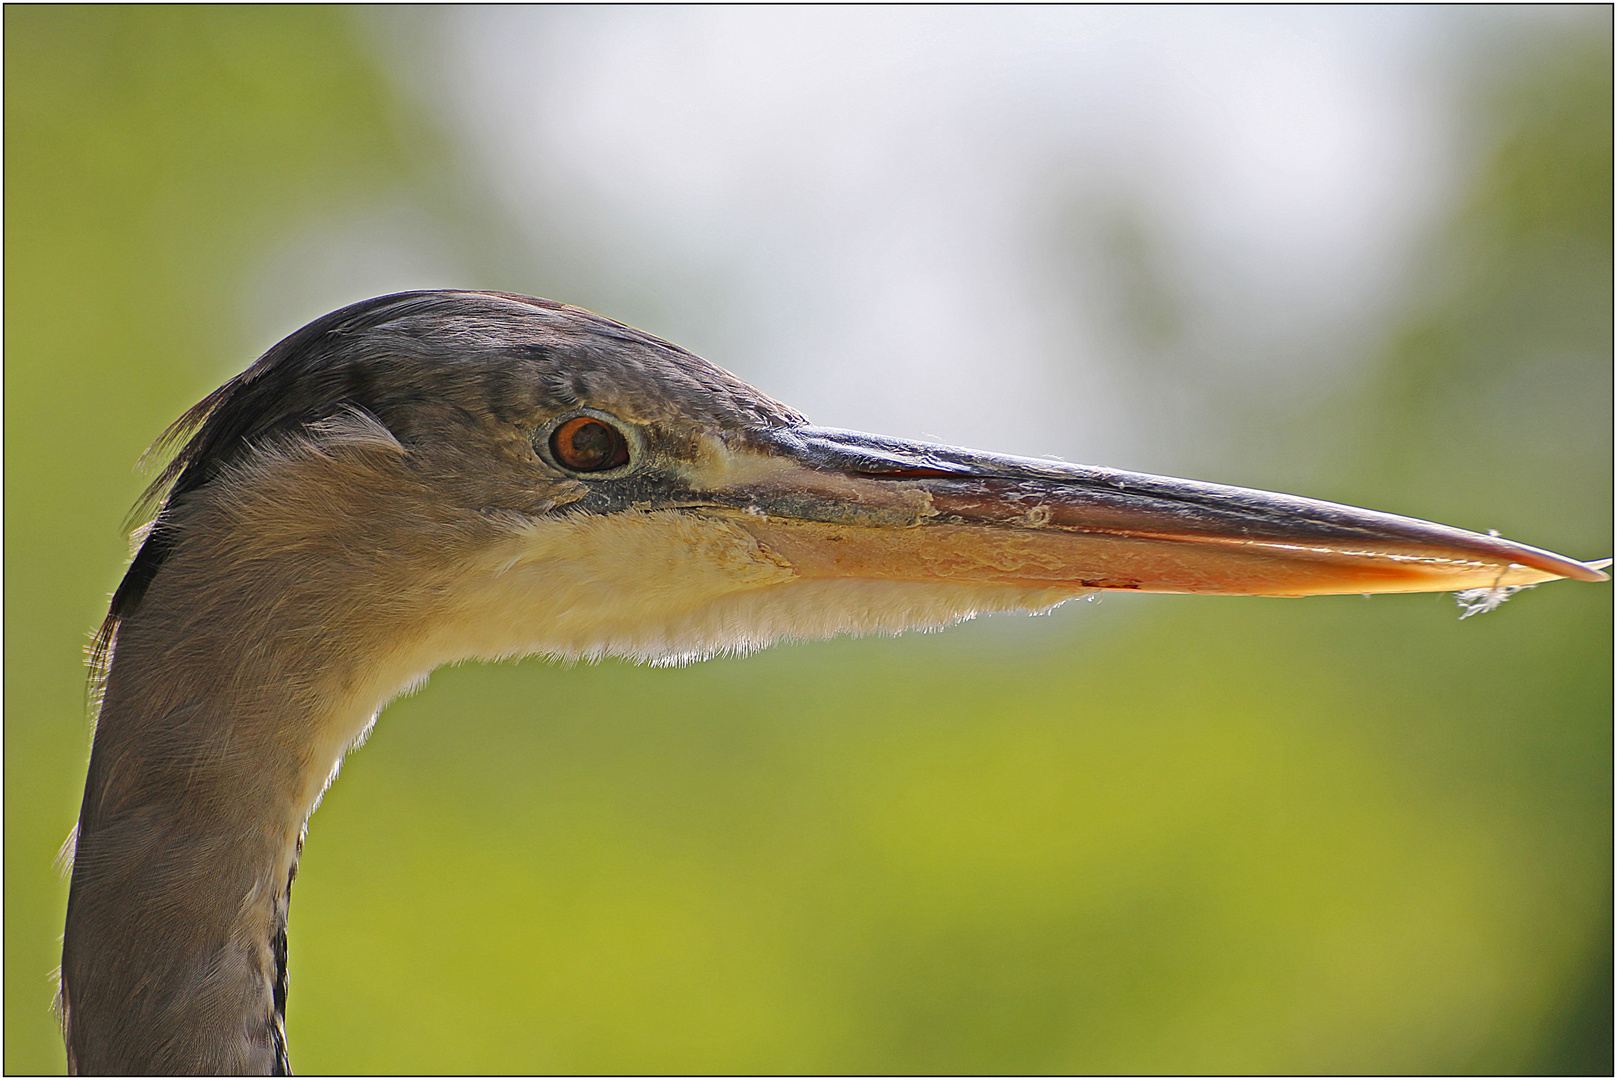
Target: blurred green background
{"x":1149,"y":835}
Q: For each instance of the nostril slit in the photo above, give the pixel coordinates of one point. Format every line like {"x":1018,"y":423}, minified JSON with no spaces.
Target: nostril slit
{"x":912,"y":474}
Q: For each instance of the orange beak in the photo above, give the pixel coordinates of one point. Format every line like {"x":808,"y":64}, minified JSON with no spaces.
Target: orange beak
{"x":842,"y":504}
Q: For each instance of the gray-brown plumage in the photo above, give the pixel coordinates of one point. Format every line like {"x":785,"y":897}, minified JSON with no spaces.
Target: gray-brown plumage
{"x":431,"y":476}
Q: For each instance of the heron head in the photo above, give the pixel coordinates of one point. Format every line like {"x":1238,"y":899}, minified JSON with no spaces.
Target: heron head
{"x":490,"y":474}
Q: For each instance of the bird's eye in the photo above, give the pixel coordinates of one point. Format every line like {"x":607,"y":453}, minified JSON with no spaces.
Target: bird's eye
{"x":585,"y":444}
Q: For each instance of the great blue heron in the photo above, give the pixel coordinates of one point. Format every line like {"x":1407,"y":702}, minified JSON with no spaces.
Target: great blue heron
{"x":431,"y":476}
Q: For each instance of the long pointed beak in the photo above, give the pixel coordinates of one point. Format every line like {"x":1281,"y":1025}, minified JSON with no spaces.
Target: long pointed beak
{"x":837,"y":503}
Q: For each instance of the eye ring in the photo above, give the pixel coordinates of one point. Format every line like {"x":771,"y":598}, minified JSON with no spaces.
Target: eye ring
{"x":588,"y":443}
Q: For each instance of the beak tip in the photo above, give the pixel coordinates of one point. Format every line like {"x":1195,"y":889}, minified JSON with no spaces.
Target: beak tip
{"x":1597,"y":570}
{"x":1559,"y":566}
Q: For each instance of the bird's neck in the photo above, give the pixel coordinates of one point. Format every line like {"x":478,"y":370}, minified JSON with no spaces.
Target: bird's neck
{"x":234,"y":689}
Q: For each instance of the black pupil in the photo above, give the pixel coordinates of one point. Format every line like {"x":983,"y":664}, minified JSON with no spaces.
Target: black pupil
{"x":586,"y":446}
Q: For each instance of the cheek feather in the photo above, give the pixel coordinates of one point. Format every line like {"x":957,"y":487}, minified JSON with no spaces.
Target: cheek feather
{"x":669,"y":588}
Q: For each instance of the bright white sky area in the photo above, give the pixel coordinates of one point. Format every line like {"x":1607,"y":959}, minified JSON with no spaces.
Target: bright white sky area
{"x":1035,"y":229}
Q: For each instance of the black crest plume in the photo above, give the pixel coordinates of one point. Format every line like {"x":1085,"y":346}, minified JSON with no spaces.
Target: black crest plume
{"x":303,"y":379}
